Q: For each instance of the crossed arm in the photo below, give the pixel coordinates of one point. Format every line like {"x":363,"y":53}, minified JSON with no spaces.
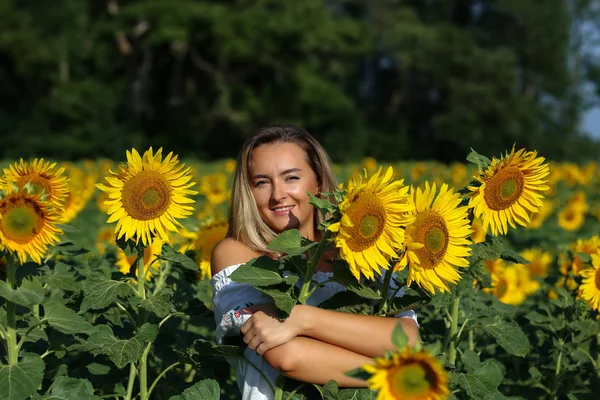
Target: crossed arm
{"x":316,"y":345}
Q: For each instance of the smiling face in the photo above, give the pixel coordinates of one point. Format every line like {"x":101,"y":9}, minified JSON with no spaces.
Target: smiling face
{"x":280,"y":176}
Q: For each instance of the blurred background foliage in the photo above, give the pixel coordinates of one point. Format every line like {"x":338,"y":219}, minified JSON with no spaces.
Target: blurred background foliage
{"x":391,"y":79}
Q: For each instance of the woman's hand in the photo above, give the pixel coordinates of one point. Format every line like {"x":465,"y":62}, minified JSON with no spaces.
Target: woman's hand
{"x":263,"y":330}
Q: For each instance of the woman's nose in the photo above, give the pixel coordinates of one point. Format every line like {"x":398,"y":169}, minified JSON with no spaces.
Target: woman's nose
{"x":278,"y":192}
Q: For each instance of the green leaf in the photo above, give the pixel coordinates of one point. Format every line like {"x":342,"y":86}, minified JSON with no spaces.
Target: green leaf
{"x":399,"y":337}
{"x":324,"y":205}
{"x":168,"y":253}
{"x":290,"y":242}
{"x":68,"y":249}
{"x":357,"y":394}
{"x":203,"y":348}
{"x":261,"y":275}
{"x":510,"y":336}
{"x":159,"y":303}
{"x":64,"y":319}
{"x":484,"y":382}
{"x":470,"y":360}
{"x":28,"y":294}
{"x":358,"y":373}
{"x":65,"y":388}
{"x":121,"y":352}
{"x":101,"y":291}
{"x":207,"y":389}
{"x":281,"y":296}
{"x":62,"y":277}
{"x":513,"y":256}
{"x":480,"y":160}
{"x":490,"y":250}
{"x":345,"y":301}
{"x":18,"y":382}
{"x":329,"y":391}
{"x":98,"y":369}
{"x":535,"y":374}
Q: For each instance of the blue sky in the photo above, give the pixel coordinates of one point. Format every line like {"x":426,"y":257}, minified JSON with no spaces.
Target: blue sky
{"x":591,"y":122}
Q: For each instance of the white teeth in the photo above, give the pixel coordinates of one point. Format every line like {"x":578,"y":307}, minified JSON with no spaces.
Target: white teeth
{"x":283,"y":208}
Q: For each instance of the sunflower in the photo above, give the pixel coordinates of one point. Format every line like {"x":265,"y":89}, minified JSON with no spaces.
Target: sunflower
{"x":506,"y":286}
{"x":509,"y":190}
{"x":124,"y":262}
{"x":214,"y":188}
{"x":408,"y":376}
{"x":438,"y":239}
{"x":371,"y":232}
{"x":590,"y":286}
{"x":572,"y":217}
{"x":81,"y":189}
{"x":45,"y":177}
{"x":539,"y":260}
{"x":203,"y":242}
{"x":147,"y":195}
{"x":27,"y":224}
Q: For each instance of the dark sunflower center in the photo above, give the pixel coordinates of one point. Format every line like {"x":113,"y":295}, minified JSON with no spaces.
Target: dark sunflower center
{"x":430,"y":230}
{"x":21,"y":222}
{"x":504,"y":188}
{"x":368,"y":217}
{"x":368,"y":226}
{"x":598,"y":279}
{"x":146,"y":195}
{"x":411,"y":381}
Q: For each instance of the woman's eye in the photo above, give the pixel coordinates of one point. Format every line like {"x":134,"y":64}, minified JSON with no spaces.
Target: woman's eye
{"x":260,"y":183}
{"x":292,"y":178}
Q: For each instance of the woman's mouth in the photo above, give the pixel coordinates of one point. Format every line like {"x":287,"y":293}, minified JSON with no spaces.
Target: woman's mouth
{"x":282,"y":210}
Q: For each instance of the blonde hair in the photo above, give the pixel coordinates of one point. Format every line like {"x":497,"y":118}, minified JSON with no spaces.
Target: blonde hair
{"x":245,"y":222}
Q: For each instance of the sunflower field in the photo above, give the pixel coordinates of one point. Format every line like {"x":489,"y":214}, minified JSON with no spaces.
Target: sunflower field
{"x":105,"y":277}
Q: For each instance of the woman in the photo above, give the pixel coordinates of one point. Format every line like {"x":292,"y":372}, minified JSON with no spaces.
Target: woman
{"x":275,"y":170}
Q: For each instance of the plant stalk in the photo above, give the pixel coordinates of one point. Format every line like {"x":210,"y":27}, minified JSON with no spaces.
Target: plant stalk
{"x":311,"y":267}
{"x":132,"y":374}
{"x":142,"y":369}
{"x":11,"y":316}
{"x":384,"y":291}
{"x":453,"y":340}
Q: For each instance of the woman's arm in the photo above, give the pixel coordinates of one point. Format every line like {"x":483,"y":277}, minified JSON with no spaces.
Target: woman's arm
{"x":313,"y":361}
{"x":367,"y":335}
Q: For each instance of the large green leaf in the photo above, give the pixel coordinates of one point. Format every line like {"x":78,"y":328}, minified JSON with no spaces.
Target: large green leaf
{"x":63,"y":277}
{"x":484,"y":382}
{"x":207,"y":389}
{"x":100,"y":291}
{"x":356,"y":394}
{"x":65,"y":388}
{"x":160,"y":303}
{"x":120,"y":351}
{"x":168,"y":253}
{"x":290,"y":242}
{"x":18,"y":382}
{"x":510,"y":336}
{"x":64,"y":319}
{"x":28,"y":294}
{"x":281,"y":295}
{"x":480,"y":160}
{"x":204,"y":348}
{"x":262,"y":271}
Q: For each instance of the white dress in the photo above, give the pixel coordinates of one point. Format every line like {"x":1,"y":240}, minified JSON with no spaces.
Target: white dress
{"x":230,"y":297}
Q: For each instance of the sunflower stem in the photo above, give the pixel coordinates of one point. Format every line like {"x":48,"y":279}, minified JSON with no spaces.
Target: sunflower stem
{"x":132,"y":374}
{"x":312,"y":265}
{"x":141,"y":319}
{"x":452,"y":332}
{"x":385,"y":289}
{"x":11,"y":315}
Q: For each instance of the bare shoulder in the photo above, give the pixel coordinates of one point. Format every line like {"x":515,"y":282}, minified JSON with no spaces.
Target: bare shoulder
{"x":230,"y":252}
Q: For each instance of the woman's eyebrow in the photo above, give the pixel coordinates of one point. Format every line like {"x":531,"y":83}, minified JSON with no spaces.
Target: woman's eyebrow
{"x":287,"y":171}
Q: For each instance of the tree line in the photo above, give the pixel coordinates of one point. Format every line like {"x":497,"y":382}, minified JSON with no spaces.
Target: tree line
{"x":392,"y":79}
